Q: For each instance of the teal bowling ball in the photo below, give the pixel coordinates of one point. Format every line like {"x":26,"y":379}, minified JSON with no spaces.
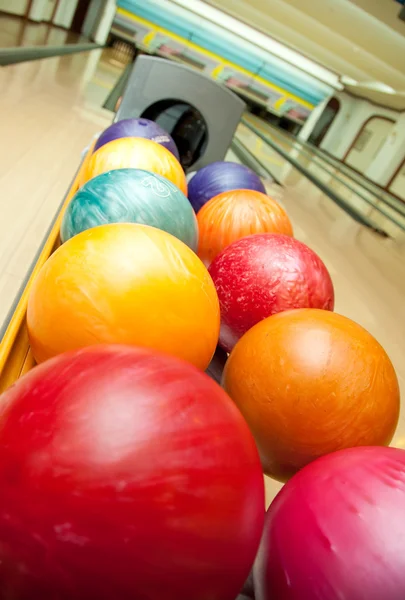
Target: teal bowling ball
{"x":131,"y":196}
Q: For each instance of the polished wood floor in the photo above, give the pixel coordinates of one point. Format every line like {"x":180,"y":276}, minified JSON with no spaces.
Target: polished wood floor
{"x":386,"y":211}
{"x":50,"y":110}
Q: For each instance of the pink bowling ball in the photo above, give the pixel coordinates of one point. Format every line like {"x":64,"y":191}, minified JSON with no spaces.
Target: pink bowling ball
{"x":336,"y":531}
{"x":263,"y":274}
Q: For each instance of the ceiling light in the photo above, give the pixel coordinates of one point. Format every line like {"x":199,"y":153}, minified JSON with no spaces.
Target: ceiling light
{"x":379,"y":86}
{"x":348,"y":80}
{"x":260,"y":39}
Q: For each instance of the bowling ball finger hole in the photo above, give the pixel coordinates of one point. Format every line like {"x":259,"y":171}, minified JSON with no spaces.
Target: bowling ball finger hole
{"x":185,"y":124}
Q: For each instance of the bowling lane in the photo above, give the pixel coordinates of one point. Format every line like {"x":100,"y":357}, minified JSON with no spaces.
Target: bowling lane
{"x":329,"y":161}
{"x":338,"y":177}
{"x":287,"y":141}
{"x":272,"y":187}
{"x":388,"y":219}
{"x":50,"y":110}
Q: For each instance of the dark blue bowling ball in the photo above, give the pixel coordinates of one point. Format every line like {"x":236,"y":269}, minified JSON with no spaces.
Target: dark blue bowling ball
{"x":131,"y":196}
{"x":221,"y":177}
{"x":143,"y":128}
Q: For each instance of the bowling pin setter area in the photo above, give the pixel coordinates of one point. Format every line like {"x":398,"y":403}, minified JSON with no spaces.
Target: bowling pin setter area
{"x":178,"y":355}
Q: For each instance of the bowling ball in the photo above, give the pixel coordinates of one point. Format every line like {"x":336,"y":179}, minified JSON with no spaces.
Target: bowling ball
{"x":221,"y":177}
{"x":131,"y":196}
{"x":125,"y":474}
{"x":310,"y":382}
{"x":337,"y":530}
{"x":135,"y":153}
{"x":234,"y":215}
{"x":124,"y":284}
{"x":264,"y":274}
{"x":143,"y":128}
{"x":248,"y":589}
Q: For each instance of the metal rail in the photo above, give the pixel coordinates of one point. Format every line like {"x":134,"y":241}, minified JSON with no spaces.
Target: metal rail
{"x":10,"y":56}
{"x":251,"y":161}
{"x":337,"y":198}
{"x":320,"y":157}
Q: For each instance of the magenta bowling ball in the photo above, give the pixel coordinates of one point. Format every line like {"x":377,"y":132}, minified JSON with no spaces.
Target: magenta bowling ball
{"x":143,"y":128}
{"x":264,"y":274}
{"x":125,"y":474}
{"x":336,"y":531}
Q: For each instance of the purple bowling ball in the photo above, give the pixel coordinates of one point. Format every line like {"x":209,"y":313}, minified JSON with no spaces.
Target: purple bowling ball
{"x":221,"y":177}
{"x":143,"y":128}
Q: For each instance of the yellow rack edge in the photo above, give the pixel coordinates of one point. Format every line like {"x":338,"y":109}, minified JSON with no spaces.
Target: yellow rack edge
{"x":15,"y":355}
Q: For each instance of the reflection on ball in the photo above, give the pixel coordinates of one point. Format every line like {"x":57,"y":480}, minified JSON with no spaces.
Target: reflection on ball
{"x":337,"y":530}
{"x":218,"y":177}
{"x":310,"y":382}
{"x":143,"y":128}
{"x":125,"y":474}
{"x":128,"y":284}
{"x":131,"y":196}
{"x":136,"y":153}
{"x":234,"y":215}
{"x":264,"y":274}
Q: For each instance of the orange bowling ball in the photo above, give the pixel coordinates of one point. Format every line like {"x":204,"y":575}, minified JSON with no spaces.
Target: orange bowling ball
{"x":124,"y":284}
{"x":310,"y":382}
{"x":235,"y":214}
{"x":136,"y":153}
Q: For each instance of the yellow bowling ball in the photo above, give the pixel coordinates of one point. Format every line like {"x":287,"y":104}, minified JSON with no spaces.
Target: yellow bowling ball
{"x":136,"y":153}
{"x":124,"y":284}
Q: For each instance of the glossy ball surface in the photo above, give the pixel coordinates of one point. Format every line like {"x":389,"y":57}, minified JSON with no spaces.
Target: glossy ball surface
{"x":310,"y":382}
{"x":136,"y":153}
{"x":234,"y":215}
{"x":131,"y":196}
{"x":125,"y":474}
{"x":143,"y":128}
{"x":218,"y":177}
{"x":337,"y":530}
{"x":124,"y":284}
{"x":264,"y":274}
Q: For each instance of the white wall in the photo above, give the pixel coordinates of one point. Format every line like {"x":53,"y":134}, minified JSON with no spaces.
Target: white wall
{"x":92,"y":17}
{"x":49,"y":8}
{"x":390,"y":156}
{"x":98,"y":21}
{"x":41,"y":10}
{"x":65,"y":13}
{"x":313,"y":119}
{"x":103,"y":26}
{"x":37,"y":10}
{"x":383,"y":156}
{"x":398,"y":184}
{"x":14,"y":7}
{"x":352,"y":115}
{"x":369,"y":143}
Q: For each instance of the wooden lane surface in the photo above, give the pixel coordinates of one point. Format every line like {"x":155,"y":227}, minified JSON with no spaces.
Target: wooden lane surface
{"x":49,"y":112}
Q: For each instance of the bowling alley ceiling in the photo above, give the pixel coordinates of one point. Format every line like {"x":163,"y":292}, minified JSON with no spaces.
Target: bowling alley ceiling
{"x":364,"y":40}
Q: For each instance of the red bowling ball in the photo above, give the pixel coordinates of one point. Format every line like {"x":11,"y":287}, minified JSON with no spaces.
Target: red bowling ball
{"x":125,"y":474}
{"x":336,"y":531}
{"x":264,"y":274}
